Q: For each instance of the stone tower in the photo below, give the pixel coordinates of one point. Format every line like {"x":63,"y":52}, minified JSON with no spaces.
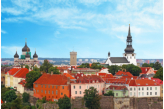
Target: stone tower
{"x":73,"y":58}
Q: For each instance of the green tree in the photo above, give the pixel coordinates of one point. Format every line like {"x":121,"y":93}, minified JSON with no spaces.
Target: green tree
{"x":36,"y":69}
{"x":25,"y":97}
{"x":3,"y":90}
{"x":92,"y":98}
{"x":84,"y":65}
{"x":113,"y":69}
{"x":145,"y":65}
{"x":26,"y":66}
{"x":64,"y":103}
{"x":134,"y":70}
{"x":96,"y":66}
{"x":45,"y":66}
{"x":159,"y":74}
{"x":54,"y":69}
{"x":10,"y":95}
{"x":157,"y":66}
{"x":16,"y":104}
{"x":31,"y":77}
{"x":152,"y":65}
{"x":109,"y":93}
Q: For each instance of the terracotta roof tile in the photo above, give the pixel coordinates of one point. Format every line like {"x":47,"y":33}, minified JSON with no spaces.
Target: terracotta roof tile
{"x":145,"y":69}
{"x":117,"y":87}
{"x":143,"y":82}
{"x":68,"y":75}
{"x":22,"y":73}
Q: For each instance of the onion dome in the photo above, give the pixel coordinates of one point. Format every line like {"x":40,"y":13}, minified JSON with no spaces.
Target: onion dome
{"x":25,"y":48}
{"x":16,"y":55}
{"x":35,"y":55}
{"x":27,"y":55}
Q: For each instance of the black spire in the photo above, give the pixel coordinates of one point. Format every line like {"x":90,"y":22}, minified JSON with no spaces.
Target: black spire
{"x":27,"y":55}
{"x":35,"y":55}
{"x":25,"y":47}
{"x":129,"y":49}
{"x":16,"y":55}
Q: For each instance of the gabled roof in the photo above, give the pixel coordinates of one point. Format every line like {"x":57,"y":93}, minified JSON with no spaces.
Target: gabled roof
{"x":145,"y":69}
{"x":13,"y":71}
{"x":23,"y":82}
{"x":118,"y":60}
{"x":21,"y":73}
{"x":105,"y":75}
{"x":89,"y":79}
{"x":68,"y":75}
{"x":146,"y":75}
{"x":117,"y":87}
{"x":121,"y":73}
{"x":143,"y":82}
{"x":55,"y":79}
{"x":129,"y":77}
{"x":117,"y":81}
{"x":157,"y":80}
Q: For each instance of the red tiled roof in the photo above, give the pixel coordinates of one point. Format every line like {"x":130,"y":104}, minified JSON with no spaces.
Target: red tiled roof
{"x":13,"y":71}
{"x":145,"y":69}
{"x":22,"y":73}
{"x":115,"y":80}
{"x":23,"y":82}
{"x":68,"y":75}
{"x":89,"y":79}
{"x":105,"y":75}
{"x":84,"y":69}
{"x":157,"y":80}
{"x":129,"y":77}
{"x":55,"y":79}
{"x":37,"y":96}
{"x":117,"y":87}
{"x":143,"y":82}
{"x":123,"y":73}
{"x":155,"y":71}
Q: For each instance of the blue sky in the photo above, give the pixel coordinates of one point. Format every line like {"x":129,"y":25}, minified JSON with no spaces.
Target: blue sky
{"x":90,"y":27}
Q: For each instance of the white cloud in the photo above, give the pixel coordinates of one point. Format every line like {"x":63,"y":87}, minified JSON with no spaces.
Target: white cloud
{"x":4,"y":32}
{"x":92,"y":2}
{"x":11,"y":50}
{"x":11,"y":11}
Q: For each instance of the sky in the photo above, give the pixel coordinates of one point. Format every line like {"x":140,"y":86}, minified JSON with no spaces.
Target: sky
{"x":92,"y":28}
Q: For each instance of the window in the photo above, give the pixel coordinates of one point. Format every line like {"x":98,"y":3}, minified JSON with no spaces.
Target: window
{"x":155,"y":88}
{"x":147,"y":88}
{"x":134,"y":88}
{"x":52,"y":86}
{"x":79,"y":87}
{"x":37,"y":90}
{"x":131,"y":89}
{"x":52,"y":92}
{"x":42,"y":86}
{"x":45,"y":91}
{"x":142,"y":88}
{"x":116,"y":94}
{"x":42,"y":91}
{"x":56,"y":87}
{"x":61,"y":93}
{"x":80,"y":92}
{"x":36,"y":85}
{"x":139,"y":93}
{"x":150,"y":88}
{"x":56,"y":92}
{"x":150,"y":93}
{"x":147,"y":93}
{"x":74,"y":87}
{"x":139,"y":88}
{"x":142,"y":93}
{"x":62,"y":87}
{"x":75,"y":92}
{"x":155,"y":93}
{"x":49,"y":86}
{"x":45,"y":86}
{"x":48,"y":92}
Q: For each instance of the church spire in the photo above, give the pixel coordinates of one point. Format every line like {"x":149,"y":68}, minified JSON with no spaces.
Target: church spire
{"x":129,"y":34}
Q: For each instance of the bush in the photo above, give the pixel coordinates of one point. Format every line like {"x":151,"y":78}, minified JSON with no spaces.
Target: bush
{"x":110,"y":93}
{"x":25,"y":97}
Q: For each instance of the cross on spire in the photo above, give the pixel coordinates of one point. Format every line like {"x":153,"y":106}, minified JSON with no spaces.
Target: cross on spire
{"x":25,"y":40}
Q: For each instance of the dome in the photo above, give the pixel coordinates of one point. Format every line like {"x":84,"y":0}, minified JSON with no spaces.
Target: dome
{"x":27,"y":55}
{"x":35,"y":55}
{"x":25,"y":48}
{"x":16,"y":55}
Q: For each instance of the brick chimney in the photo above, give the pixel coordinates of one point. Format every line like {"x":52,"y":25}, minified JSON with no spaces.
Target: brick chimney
{"x":51,"y":72}
{"x":68,"y":81}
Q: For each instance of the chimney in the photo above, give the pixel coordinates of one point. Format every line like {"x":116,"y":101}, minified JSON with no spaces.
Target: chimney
{"x":51,"y":72}
{"x":68,"y":81}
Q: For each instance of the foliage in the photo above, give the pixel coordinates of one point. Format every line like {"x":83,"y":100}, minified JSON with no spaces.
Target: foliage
{"x":145,"y":65}
{"x":123,"y":67}
{"x":54,"y":69}
{"x":44,"y":100}
{"x":6,"y":105}
{"x":134,"y":70}
{"x":96,"y":66}
{"x":159,"y":74}
{"x":2,"y":86}
{"x":26,"y":66}
{"x":3,"y":90}
{"x":9,"y":96}
{"x":31,"y":77}
{"x":16,"y":104}
{"x":157,"y":66}
{"x":36,"y":69}
{"x":84,"y":65}
{"x":113,"y":69}
{"x":64,"y":103}
{"x":25,"y":97}
{"x":109,"y":93}
{"x":92,"y":98}
{"x":45,"y":66}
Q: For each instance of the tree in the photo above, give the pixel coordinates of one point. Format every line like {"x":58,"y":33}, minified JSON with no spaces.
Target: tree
{"x":123,"y":67}
{"x":157,"y":66}
{"x":145,"y":65}
{"x":45,"y":66}
{"x":159,"y":74}
{"x":16,"y":104}
{"x":54,"y":69}
{"x":96,"y":66}
{"x":113,"y":69}
{"x":109,"y":93}
{"x":25,"y":97}
{"x":84,"y":65}
{"x":134,"y":70}
{"x":36,"y":69}
{"x":92,"y":98}
{"x":31,"y":77}
{"x":64,"y":103}
{"x":152,"y":65}
{"x":26,"y":66}
{"x":10,"y":95}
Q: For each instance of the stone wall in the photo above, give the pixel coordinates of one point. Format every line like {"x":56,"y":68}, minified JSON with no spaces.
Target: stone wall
{"x":32,"y":100}
{"x":121,"y":103}
{"x":106,"y":102}
{"x":77,"y":103}
{"x":46,"y":106}
{"x":30,"y":92}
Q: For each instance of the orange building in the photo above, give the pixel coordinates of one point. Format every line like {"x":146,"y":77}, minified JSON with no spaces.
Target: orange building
{"x":52,"y":86}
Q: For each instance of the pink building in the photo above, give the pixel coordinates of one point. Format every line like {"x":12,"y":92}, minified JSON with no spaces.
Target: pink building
{"x":85,"y":82}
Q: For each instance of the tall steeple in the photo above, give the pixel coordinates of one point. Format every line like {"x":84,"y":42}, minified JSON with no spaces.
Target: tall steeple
{"x":129,"y":49}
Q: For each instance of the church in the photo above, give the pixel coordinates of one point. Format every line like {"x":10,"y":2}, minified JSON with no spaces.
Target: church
{"x":25,"y":58}
{"x":129,"y":57}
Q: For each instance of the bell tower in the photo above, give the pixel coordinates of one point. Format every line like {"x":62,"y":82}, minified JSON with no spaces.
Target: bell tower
{"x":129,"y":51}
